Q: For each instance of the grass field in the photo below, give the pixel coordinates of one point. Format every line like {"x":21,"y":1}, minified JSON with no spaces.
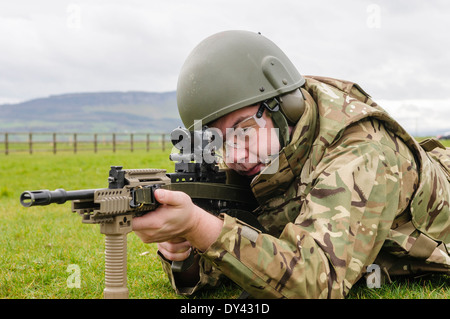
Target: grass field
{"x":38,"y":245}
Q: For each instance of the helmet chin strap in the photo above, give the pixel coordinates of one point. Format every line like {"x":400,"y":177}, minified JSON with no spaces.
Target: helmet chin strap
{"x":278,"y":119}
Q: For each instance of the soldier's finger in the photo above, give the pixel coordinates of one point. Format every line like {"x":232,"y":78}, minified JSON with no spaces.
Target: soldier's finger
{"x":174,"y":256}
{"x":173,"y":198}
{"x":175,"y":247}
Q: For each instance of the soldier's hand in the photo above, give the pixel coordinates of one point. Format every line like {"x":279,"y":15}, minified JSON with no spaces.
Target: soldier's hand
{"x":175,"y":250}
{"x":176,"y":218}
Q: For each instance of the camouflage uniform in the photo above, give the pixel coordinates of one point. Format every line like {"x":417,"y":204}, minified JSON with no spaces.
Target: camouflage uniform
{"x":350,"y":184}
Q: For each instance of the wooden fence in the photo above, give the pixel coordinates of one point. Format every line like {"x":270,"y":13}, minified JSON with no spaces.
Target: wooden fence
{"x":12,"y":142}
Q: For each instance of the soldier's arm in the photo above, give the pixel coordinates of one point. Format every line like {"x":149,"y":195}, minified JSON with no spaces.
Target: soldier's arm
{"x":200,"y":275}
{"x":170,"y":222}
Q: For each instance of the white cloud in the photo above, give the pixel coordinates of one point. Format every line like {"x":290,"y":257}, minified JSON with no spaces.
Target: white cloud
{"x":420,"y":117}
{"x":59,"y":46}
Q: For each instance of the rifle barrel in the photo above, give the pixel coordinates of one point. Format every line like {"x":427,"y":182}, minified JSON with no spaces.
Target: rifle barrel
{"x":59,"y":196}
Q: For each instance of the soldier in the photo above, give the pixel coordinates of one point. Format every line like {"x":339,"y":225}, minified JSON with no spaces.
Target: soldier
{"x":347,"y":187}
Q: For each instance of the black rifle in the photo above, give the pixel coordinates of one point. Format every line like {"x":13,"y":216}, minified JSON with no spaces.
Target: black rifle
{"x":130,"y":193}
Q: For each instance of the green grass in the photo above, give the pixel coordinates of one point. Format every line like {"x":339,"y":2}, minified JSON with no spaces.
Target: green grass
{"x":432,"y":286}
{"x":446,"y":143}
{"x":38,"y":244}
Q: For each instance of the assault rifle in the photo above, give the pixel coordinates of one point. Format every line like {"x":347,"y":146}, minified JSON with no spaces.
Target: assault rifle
{"x":130,"y":193}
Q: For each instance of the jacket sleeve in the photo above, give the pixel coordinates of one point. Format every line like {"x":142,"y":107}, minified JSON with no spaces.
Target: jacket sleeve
{"x":209,"y":277}
{"x":342,"y":223}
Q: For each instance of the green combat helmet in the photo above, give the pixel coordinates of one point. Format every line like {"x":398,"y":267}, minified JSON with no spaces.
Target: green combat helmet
{"x":234,"y":69}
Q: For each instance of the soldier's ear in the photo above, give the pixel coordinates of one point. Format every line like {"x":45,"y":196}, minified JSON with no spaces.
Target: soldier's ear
{"x":292,"y":105}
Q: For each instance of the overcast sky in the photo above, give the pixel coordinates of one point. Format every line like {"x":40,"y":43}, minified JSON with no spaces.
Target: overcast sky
{"x":398,"y":51}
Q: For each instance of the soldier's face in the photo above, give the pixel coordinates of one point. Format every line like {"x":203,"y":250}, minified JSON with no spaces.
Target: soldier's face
{"x":249,"y":141}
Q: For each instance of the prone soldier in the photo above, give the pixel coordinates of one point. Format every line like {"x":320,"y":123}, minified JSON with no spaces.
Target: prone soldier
{"x":340,"y":184}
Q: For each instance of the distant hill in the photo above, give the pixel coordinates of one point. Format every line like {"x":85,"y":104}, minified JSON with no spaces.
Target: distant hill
{"x":93,"y":112}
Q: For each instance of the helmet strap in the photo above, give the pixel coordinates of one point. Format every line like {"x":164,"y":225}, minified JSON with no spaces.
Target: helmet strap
{"x":273,"y":105}
{"x":261,"y":109}
{"x":278,"y":119}
{"x":281,"y":123}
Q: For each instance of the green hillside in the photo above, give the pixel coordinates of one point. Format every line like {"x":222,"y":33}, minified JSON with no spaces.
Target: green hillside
{"x":93,"y":112}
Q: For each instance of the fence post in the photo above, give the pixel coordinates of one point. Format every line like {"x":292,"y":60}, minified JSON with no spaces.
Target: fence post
{"x":6,"y":144}
{"x":51,"y":139}
{"x":30,"y":142}
{"x":131,"y":142}
{"x":54,"y":143}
